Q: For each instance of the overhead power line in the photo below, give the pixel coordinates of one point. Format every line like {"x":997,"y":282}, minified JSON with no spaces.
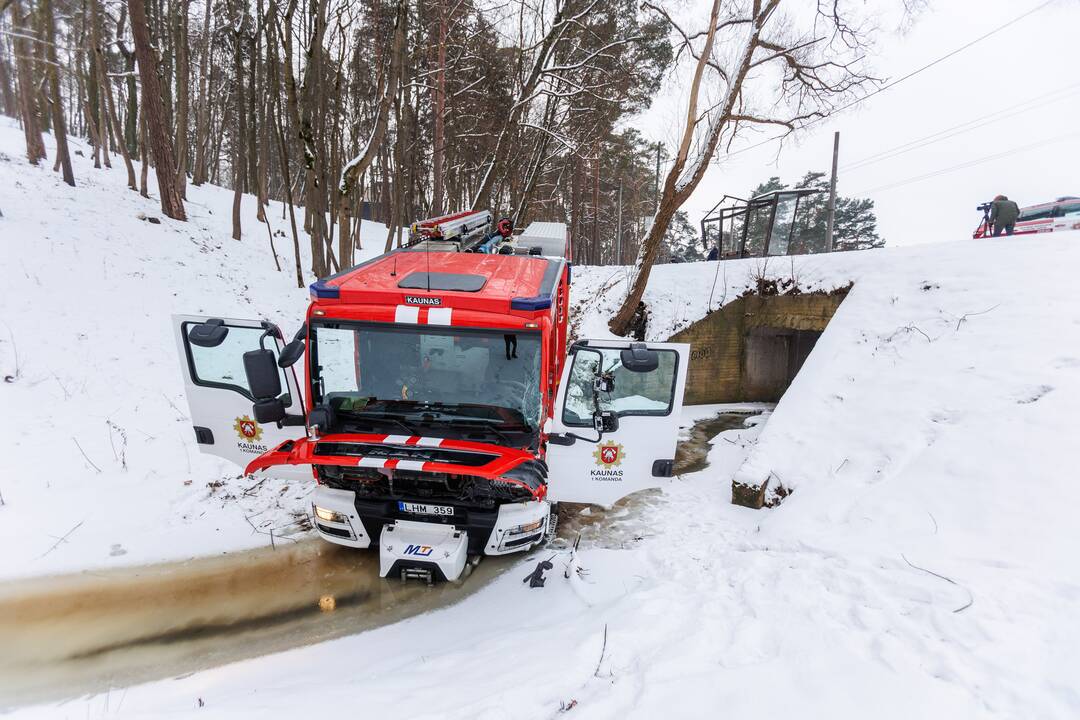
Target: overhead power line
{"x":969,"y":163}
{"x":908,"y":76}
{"x":964,"y":127}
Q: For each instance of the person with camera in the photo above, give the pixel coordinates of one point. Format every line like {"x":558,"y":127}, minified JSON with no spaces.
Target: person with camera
{"x":1003,"y":215}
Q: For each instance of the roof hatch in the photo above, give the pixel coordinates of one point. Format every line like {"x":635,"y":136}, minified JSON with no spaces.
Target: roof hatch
{"x":442,"y":281}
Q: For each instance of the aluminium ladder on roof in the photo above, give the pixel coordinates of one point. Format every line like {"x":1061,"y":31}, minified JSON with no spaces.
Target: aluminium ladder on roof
{"x":467,"y":229}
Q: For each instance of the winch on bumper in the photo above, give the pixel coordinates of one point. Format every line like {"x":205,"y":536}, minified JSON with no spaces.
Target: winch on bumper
{"x":422,"y":548}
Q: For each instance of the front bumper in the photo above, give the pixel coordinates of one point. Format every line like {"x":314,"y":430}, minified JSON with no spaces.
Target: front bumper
{"x":346,"y":529}
{"x":488,"y":532}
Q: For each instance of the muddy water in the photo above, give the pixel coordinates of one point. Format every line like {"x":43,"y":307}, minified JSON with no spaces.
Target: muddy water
{"x":692,"y":455}
{"x":627,"y":522}
{"x":70,"y":635}
{"x":85,"y":633}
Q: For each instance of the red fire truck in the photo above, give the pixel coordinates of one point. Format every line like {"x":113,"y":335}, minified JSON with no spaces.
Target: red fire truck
{"x":441,"y":415}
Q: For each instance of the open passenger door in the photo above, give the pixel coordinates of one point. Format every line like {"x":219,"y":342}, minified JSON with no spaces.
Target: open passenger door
{"x":219,"y":397}
{"x":616,"y":420}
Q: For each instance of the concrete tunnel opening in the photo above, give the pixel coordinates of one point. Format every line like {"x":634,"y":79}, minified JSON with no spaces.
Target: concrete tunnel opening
{"x":752,"y":349}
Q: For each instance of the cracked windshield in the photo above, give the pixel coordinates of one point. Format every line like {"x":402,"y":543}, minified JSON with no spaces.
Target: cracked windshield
{"x":489,"y":376}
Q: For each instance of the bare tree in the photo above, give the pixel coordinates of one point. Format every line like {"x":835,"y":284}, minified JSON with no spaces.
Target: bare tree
{"x":28,"y":96}
{"x":748,"y":50}
{"x":56,"y":100}
{"x":202,"y":113}
{"x":182,"y":96}
{"x":359,"y":165}
{"x":154,"y":111}
{"x":108,"y":101}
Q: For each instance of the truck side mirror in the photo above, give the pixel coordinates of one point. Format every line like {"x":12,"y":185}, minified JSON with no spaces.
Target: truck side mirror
{"x":638,"y":358}
{"x":269,"y":410}
{"x":321,"y":417}
{"x":263,"y":376}
{"x":264,"y":381}
{"x":209,"y":334}
{"x":291,"y":353}
{"x":605,"y":421}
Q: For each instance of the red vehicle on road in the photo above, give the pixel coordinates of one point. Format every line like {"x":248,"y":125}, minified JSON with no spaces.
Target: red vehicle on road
{"x":1061,"y":214}
{"x":441,"y":413}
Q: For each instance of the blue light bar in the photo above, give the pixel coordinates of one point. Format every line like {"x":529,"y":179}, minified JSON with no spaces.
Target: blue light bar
{"x":321,"y":291}
{"x":539,"y":302}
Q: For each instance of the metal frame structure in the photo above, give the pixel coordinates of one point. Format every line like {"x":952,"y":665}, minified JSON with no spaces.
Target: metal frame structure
{"x":746,"y":210}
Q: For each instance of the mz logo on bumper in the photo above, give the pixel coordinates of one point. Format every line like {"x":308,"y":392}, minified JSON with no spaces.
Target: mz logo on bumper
{"x":418,"y":300}
{"x":609,"y":455}
{"x":418,"y":550}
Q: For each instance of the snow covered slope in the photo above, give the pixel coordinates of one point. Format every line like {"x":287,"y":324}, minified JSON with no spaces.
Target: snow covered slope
{"x":96,"y":444}
{"x":923,"y":566}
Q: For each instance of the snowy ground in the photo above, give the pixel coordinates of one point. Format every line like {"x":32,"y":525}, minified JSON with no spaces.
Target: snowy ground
{"x":924,"y":565}
{"x":98,"y":448}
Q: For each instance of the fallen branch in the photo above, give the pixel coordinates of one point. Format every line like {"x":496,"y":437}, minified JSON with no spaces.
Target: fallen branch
{"x":603,"y":649}
{"x":965,"y":316}
{"x":971,"y":598}
{"x":85,"y":455}
{"x":62,"y":539}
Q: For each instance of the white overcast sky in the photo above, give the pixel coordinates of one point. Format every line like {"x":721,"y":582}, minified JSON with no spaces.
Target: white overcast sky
{"x":1036,"y":59}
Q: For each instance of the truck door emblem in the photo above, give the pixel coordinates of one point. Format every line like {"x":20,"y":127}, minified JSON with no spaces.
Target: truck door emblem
{"x":609,"y":455}
{"x":247,"y":429}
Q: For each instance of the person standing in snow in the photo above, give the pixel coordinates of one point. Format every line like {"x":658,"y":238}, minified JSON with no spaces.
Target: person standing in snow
{"x":1003,"y":215}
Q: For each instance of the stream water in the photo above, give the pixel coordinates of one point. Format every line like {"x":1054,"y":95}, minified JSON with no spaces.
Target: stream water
{"x":83,"y":633}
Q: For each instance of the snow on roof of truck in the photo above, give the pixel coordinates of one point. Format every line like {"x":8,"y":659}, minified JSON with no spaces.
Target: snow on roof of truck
{"x":527,"y":282}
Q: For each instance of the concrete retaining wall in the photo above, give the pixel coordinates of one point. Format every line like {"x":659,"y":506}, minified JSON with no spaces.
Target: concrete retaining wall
{"x":750,"y":349}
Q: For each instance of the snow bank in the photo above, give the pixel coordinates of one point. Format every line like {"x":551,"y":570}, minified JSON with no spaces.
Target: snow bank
{"x":99,"y":463}
{"x":923,"y":566}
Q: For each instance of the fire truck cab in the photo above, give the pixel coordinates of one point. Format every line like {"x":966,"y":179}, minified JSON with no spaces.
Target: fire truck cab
{"x":430,"y":394}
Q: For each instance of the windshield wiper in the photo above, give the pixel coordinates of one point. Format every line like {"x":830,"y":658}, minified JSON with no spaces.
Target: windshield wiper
{"x":374,"y":416}
{"x":467,"y":421}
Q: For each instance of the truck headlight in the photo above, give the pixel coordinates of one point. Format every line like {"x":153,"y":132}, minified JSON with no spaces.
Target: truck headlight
{"x":329,"y":515}
{"x":526,"y":528}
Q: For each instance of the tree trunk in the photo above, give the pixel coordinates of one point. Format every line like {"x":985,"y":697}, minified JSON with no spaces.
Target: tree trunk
{"x":28,"y":96}
{"x":283,"y":158}
{"x":154,"y":110}
{"x":239,"y":164}
{"x":59,"y":129}
{"x":677,"y":188}
{"x":107,"y":95}
{"x":202,"y":119}
{"x":132,"y":126}
{"x":8,"y":104}
{"x":360,"y":164}
{"x":182,"y":98}
{"x":504,"y":143}
{"x":438,"y":149}
{"x":144,"y":142}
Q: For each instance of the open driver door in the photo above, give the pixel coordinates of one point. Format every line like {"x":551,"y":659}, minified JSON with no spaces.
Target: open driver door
{"x":214,"y":354}
{"x":616,"y":420}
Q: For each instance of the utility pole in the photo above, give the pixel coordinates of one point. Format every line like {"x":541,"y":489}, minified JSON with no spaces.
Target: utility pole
{"x":656,"y":183}
{"x":618,"y":230}
{"x":832,"y":193}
